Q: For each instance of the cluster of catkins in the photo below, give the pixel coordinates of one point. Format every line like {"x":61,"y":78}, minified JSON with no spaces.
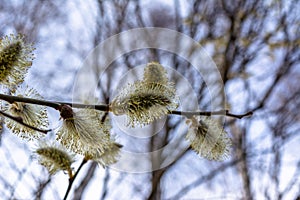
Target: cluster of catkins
{"x":86,"y":131}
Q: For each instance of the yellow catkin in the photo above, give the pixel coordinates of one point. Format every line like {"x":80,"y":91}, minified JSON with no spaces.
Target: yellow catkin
{"x":207,"y":138}
{"x":144,"y":102}
{"x":110,"y":155}
{"x":85,"y":132}
{"x":155,"y":73}
{"x":15,"y":60}
{"x":54,"y":158}
{"x":30,"y":114}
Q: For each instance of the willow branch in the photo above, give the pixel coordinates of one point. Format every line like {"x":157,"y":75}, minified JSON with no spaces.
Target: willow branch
{"x":105,"y":107}
{"x":209,"y":113}
{"x":52,"y":104}
{"x":11,"y":99}
{"x":20,"y":121}
{"x":101,"y":107}
{"x":71,"y":179}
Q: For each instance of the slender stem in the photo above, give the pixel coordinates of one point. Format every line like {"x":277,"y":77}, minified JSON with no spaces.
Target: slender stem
{"x":103,"y":107}
{"x":71,"y":179}
{"x":248,"y":114}
{"x":52,"y":104}
{"x":12,"y":99}
{"x":209,"y":113}
{"x":20,"y":121}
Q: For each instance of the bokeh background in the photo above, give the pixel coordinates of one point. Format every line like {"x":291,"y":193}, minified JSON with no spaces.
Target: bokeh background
{"x":255,"y":45}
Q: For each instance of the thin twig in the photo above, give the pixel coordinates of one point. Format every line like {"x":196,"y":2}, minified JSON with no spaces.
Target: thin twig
{"x":20,"y":121}
{"x":248,"y":114}
{"x":52,"y":104}
{"x":209,"y":113}
{"x":101,"y":107}
{"x":71,"y":179}
{"x":11,"y":99}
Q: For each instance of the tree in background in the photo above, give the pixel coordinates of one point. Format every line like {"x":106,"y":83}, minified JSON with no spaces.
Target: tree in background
{"x":254,"y":45}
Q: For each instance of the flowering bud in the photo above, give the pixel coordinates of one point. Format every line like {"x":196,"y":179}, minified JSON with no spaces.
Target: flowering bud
{"x":155,"y":73}
{"x":33,"y":115}
{"x":15,"y":59}
{"x":110,"y":155}
{"x":54,"y":158}
{"x":84,"y":131}
{"x":144,"y":102}
{"x":207,"y":138}
{"x":66,"y":112}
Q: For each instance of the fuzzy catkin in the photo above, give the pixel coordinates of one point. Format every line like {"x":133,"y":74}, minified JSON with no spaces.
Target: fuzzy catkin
{"x":15,"y":59}
{"x":207,"y":138}
{"x":54,"y":157}
{"x":155,"y":73}
{"x":144,"y":102}
{"x":30,"y":114}
{"x":85,"y":132}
